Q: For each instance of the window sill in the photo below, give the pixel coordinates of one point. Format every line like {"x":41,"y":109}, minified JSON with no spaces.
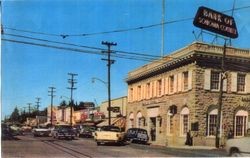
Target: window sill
{"x":215,"y":90}
{"x":241,"y":92}
{"x":210,"y":136}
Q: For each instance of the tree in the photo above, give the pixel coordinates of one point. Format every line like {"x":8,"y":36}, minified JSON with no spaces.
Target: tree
{"x":63,"y":103}
{"x":15,"y":115}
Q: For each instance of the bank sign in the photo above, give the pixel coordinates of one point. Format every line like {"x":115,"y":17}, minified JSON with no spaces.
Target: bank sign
{"x":216,"y":22}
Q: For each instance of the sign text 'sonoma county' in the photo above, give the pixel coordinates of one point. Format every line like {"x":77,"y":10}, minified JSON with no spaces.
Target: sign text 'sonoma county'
{"x":216,"y":22}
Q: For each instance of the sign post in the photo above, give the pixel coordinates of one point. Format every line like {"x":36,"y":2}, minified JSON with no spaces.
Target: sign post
{"x":222,"y":24}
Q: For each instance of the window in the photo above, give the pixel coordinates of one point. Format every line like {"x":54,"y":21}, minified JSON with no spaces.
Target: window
{"x":131,"y":94}
{"x":171,"y":84}
{"x":139,"y":92}
{"x":241,"y":123}
{"x":159,"y":87}
{"x":184,"y":121}
{"x":212,"y":120}
{"x":185,"y":80}
{"x":131,"y":121}
{"x":170,"y":124}
{"x":152,"y":90}
{"x":212,"y":125}
{"x":215,"y":80}
{"x":241,"y":82}
{"x":138,"y":120}
{"x":148,"y":90}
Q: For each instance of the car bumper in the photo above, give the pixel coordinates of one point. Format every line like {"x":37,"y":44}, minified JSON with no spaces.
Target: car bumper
{"x":42,"y":133}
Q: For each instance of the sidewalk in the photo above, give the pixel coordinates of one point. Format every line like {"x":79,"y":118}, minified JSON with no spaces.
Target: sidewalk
{"x":199,"y":151}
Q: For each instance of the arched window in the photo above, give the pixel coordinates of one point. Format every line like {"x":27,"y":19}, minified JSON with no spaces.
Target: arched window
{"x":240,"y":124}
{"x":169,"y":123}
{"x":212,"y":119}
{"x":131,"y":120}
{"x":138,"y":120}
{"x":184,"y":121}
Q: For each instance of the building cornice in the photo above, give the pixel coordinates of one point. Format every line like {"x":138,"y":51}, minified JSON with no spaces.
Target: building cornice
{"x":196,"y":52}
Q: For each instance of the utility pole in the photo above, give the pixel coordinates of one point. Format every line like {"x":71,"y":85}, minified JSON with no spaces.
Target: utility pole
{"x":109,"y":44}
{"x":24,"y":110}
{"x":162,"y":28}
{"x":51,"y":94}
{"x":222,"y":74}
{"x":37,"y":103}
{"x":72,"y":82}
{"x":29,"y":104}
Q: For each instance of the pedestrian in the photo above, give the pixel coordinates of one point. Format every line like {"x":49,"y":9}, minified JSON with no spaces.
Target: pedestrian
{"x":152,"y":133}
{"x":189,"y":140}
{"x":230,"y":134}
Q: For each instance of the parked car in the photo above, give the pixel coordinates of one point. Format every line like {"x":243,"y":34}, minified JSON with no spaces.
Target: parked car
{"x":87,"y":131}
{"x":16,"y":130}
{"x":238,"y":147}
{"x":26,"y":129}
{"x":137,"y":135}
{"x":63,"y":131}
{"x":109,"y":134}
{"x":41,"y":131}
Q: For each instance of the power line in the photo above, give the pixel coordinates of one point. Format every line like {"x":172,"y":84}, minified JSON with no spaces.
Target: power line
{"x":82,"y":46}
{"x":77,"y":50}
{"x":118,"y":30}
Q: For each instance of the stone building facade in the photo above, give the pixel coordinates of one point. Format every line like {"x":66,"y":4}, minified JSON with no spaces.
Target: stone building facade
{"x":180,"y":93}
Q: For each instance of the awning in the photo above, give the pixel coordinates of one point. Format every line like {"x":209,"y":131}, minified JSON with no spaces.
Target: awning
{"x":113,"y":121}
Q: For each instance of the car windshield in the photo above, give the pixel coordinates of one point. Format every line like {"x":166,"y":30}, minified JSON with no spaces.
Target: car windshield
{"x":110,"y":128}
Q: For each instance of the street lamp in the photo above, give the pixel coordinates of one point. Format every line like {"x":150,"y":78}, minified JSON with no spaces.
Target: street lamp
{"x":62,"y":96}
{"x":95,"y":78}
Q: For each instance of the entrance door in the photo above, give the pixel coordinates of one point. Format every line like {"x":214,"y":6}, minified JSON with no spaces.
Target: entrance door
{"x":152,"y":127}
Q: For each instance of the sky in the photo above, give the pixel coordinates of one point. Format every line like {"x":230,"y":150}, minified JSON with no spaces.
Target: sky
{"x":28,"y":70}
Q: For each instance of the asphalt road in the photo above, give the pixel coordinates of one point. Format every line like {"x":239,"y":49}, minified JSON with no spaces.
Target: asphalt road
{"x":40,"y":147}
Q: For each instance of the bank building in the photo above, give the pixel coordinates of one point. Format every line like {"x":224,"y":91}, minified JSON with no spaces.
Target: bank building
{"x":179,"y":93}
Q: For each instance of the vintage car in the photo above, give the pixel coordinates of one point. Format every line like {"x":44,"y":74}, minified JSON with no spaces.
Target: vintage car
{"x":238,"y":147}
{"x":41,"y":131}
{"x":137,"y":135}
{"x":109,"y":134}
{"x":87,"y":131}
{"x":63,"y":131}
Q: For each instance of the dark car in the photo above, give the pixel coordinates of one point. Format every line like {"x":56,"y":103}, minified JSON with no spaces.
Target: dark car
{"x":63,"y":131}
{"x":87,"y":131}
{"x":137,"y":135}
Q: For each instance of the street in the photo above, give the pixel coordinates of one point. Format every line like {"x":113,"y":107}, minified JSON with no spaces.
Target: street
{"x":33,"y":147}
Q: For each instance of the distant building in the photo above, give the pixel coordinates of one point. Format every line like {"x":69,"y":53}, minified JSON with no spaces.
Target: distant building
{"x":81,"y":114}
{"x":179,"y":93}
{"x":118,"y":105}
{"x":54,"y":114}
{"x":118,"y":112}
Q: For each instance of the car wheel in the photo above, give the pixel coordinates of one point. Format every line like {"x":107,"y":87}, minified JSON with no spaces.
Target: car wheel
{"x":235,"y":153}
{"x":98,"y":143}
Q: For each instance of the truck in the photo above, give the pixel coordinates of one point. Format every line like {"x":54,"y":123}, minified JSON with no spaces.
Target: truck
{"x":109,"y":134}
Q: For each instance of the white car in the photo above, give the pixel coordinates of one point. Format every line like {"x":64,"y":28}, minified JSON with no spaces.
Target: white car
{"x":238,"y":147}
